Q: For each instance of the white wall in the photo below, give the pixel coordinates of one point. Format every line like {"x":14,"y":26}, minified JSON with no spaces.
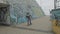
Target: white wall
{"x":46,"y":5}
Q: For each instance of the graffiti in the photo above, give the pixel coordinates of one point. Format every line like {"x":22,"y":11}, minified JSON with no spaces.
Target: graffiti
{"x":19,"y":9}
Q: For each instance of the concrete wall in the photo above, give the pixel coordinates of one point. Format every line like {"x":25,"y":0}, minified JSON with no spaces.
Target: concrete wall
{"x":19,"y":8}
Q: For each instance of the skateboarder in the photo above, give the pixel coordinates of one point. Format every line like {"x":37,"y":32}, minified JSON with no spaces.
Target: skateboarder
{"x":28,"y":16}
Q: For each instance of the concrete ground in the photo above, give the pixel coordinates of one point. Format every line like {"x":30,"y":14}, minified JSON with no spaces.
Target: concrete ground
{"x":39,"y":26}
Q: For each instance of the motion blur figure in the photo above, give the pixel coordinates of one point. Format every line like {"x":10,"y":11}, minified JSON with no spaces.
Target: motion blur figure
{"x":28,"y":16}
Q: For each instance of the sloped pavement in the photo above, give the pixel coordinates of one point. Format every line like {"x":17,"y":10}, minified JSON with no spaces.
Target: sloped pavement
{"x":39,"y":26}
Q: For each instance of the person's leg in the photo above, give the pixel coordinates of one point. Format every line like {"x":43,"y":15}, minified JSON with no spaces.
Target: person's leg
{"x":30,"y":22}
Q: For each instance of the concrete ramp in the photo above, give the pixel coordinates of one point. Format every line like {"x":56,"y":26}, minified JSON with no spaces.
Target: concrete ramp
{"x":39,"y":26}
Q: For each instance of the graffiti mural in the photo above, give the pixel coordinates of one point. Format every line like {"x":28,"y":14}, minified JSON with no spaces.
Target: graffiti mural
{"x":19,"y":8}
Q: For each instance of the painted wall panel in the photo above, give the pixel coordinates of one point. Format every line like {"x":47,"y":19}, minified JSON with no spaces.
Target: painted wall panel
{"x":19,"y":8}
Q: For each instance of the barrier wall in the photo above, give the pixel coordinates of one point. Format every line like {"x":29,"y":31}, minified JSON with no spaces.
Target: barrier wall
{"x":19,"y":8}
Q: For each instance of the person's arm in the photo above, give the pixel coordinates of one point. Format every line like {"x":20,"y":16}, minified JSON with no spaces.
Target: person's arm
{"x":30,"y":16}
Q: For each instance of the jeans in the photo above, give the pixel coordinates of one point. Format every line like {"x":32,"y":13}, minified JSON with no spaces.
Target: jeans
{"x":29,"y":21}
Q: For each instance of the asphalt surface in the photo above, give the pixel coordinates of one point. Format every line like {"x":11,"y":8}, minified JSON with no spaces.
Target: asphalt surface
{"x":39,"y":26}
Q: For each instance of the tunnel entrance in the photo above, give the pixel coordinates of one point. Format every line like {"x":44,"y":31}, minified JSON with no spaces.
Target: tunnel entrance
{"x":3,"y":14}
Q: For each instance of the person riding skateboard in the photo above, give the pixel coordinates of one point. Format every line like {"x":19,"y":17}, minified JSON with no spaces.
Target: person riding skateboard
{"x":28,"y":16}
